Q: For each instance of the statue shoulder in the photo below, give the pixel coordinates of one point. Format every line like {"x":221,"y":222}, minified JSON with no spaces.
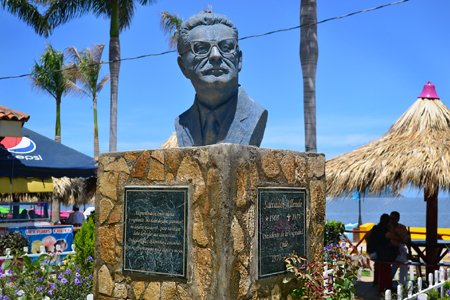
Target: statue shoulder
{"x":249,"y":105}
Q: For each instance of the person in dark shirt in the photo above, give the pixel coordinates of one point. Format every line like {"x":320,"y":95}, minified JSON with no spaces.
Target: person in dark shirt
{"x":23,"y":214}
{"x":379,"y":241}
{"x":32,"y":214}
{"x":76,"y":218}
{"x":377,"y":237}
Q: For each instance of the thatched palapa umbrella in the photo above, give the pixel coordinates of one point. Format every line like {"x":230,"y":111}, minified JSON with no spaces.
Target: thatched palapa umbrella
{"x":414,"y":152}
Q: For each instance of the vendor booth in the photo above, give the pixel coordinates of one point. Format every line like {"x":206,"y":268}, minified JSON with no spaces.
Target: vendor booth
{"x":28,"y":161}
{"x":32,"y":219}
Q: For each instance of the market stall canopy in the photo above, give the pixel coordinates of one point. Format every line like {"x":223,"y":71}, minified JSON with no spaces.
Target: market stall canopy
{"x":35,"y":155}
{"x":25,"y":185}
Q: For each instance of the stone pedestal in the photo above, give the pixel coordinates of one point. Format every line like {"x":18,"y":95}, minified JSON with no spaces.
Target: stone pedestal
{"x":222,"y":251}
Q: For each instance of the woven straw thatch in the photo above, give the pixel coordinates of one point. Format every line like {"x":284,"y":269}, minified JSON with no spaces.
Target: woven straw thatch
{"x":24,"y":197}
{"x":172,"y":142}
{"x":67,"y":191}
{"x":415,"y":151}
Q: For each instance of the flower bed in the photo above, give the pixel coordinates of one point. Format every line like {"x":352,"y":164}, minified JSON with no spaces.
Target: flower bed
{"x":36,"y":279}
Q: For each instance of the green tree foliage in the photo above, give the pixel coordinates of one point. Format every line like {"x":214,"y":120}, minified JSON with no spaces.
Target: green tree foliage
{"x":15,"y":241}
{"x":83,"y":74}
{"x":171,"y":23}
{"x":85,"y":244}
{"x":333,"y":232}
{"x":120,"y":13}
{"x":29,"y":13}
{"x":44,"y":79}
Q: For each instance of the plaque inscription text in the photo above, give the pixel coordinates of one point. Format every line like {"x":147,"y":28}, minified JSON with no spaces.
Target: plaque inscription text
{"x":155,"y":238}
{"x":282,"y":225}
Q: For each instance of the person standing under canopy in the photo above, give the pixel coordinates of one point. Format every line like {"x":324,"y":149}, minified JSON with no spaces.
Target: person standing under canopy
{"x":76,"y":218}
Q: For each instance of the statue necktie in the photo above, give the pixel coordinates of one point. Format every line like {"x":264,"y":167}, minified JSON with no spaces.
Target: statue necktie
{"x":211,"y":129}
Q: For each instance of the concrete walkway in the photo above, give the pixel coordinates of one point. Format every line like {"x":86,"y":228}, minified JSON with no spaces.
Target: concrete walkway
{"x":366,"y":290}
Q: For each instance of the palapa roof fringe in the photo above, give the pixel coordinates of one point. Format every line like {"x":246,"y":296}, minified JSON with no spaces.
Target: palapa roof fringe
{"x":414,"y":152}
{"x":172,"y":142}
{"x":68,"y":191}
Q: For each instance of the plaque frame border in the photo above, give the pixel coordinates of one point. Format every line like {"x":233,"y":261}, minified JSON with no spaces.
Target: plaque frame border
{"x":186,"y":190}
{"x":305,"y":248}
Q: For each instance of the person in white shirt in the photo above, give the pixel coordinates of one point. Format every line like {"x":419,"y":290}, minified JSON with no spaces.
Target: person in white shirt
{"x":400,"y":231}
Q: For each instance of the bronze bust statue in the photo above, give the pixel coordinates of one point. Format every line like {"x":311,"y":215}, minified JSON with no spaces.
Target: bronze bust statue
{"x":222,"y":112}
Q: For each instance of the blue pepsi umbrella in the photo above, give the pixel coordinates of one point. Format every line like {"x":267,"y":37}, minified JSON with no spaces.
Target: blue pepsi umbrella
{"x":35,"y":155}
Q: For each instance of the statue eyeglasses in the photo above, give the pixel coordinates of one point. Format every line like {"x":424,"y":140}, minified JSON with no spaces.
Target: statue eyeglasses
{"x":203,"y":48}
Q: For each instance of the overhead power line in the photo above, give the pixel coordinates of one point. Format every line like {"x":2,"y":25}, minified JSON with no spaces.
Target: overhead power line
{"x":244,"y":38}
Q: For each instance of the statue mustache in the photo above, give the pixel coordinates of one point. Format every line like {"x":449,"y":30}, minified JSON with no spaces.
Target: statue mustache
{"x":206,"y":65}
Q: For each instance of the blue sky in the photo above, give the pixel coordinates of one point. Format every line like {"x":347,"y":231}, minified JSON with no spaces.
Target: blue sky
{"x":371,"y":68}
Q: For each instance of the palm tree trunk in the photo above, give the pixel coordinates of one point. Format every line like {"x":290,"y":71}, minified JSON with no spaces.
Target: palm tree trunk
{"x":55,"y":202}
{"x":58,"y":121}
{"x":309,"y":53}
{"x":96,"y":146}
{"x":114,"y":68}
{"x":56,"y":209}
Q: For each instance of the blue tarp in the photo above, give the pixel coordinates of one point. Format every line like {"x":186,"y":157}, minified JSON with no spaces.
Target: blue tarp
{"x":38,"y":156}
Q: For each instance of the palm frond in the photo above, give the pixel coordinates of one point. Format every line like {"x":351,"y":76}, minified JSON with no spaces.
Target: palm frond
{"x":72,"y":53}
{"x":169,"y":23}
{"x":62,"y":11}
{"x":84,"y":71}
{"x":76,"y":91}
{"x":207,"y":10}
{"x":97,"y":52}
{"x":39,"y":88}
{"x":102,"y":83}
{"x":126,"y":13}
{"x":28,"y":13}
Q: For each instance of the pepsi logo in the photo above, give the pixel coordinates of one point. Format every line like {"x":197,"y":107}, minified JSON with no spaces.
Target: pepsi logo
{"x":19,"y":145}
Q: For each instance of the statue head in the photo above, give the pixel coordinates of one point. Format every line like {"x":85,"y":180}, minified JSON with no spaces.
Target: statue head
{"x":209,"y":54}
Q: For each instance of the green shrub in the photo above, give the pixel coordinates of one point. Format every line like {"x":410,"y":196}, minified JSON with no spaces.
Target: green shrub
{"x":30,"y":278}
{"x":14,"y":241}
{"x":34,"y":279}
{"x":85,"y":243}
{"x":338,"y":285}
{"x":333,"y":232}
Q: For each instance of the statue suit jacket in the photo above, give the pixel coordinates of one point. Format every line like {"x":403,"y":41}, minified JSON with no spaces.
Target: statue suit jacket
{"x":247,"y":127}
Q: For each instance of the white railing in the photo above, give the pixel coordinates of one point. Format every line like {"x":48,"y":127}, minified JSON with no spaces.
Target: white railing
{"x":55,"y":251}
{"x":327,"y":271}
{"x":436,"y":282}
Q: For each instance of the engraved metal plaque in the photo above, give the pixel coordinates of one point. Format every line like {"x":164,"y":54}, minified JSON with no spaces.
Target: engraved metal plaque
{"x":155,"y":231}
{"x":282,"y":227}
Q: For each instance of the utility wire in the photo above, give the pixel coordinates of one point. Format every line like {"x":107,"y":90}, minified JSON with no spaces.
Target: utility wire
{"x":323,"y":21}
{"x":244,"y":38}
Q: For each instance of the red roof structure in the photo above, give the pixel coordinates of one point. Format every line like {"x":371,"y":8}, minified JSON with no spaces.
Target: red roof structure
{"x":12,"y":115}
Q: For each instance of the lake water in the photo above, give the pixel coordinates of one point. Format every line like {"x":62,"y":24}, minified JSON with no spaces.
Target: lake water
{"x":412,"y":210}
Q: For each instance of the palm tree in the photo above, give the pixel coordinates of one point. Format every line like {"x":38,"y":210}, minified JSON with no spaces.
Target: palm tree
{"x":171,"y":24}
{"x":120,"y":13}
{"x":84,"y":74}
{"x":45,"y":80}
{"x":309,"y":53}
{"x":28,"y":13}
